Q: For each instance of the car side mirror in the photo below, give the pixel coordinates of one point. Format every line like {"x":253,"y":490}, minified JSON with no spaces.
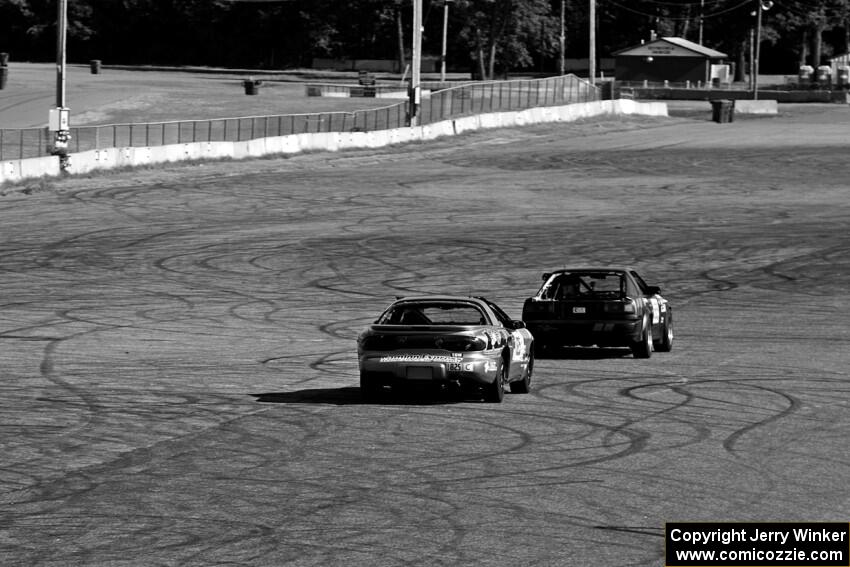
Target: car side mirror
{"x":546,"y":276}
{"x":653,"y":289}
{"x":517,"y":324}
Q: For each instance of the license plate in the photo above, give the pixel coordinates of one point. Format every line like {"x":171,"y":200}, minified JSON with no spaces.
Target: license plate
{"x":419,"y":373}
{"x":579,"y":310}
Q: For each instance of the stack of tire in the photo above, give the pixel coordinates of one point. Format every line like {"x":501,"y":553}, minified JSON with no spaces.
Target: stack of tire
{"x":4,"y":69}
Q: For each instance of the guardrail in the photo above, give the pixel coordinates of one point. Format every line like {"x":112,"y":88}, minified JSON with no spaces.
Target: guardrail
{"x":498,"y":96}
{"x":436,"y":105}
{"x":789,"y":83}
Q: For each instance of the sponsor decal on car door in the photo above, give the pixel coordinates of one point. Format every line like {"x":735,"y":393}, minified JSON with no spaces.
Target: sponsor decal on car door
{"x":656,"y":310}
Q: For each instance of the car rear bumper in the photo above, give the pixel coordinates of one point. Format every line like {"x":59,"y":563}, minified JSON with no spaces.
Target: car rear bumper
{"x":390,"y":368}
{"x":590,"y":332}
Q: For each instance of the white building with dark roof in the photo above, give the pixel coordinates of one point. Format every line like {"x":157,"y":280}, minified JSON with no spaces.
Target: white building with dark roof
{"x":671,"y":59}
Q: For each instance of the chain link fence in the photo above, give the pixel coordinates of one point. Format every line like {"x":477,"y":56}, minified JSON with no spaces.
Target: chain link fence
{"x":440,"y":102}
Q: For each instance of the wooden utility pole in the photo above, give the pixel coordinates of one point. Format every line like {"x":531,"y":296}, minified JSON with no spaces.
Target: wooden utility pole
{"x":445,"y":38}
{"x":61,"y":30}
{"x":758,"y":50}
{"x":592,"y":56}
{"x":563,"y":41}
{"x":59,"y":120}
{"x":414,"y":94}
{"x":752,"y":57}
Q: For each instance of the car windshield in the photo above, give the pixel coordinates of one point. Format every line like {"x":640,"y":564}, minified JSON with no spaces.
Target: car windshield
{"x":590,"y":285}
{"x":433,"y":313}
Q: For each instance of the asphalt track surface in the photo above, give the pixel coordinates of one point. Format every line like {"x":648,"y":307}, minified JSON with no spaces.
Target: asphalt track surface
{"x":179,"y":379}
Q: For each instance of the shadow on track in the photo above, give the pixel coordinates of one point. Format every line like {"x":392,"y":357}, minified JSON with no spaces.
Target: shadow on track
{"x":350,"y":396}
{"x":582,"y":353}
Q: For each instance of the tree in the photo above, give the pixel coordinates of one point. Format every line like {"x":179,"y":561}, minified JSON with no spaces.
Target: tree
{"x":506,"y":33}
{"x":28,"y":27}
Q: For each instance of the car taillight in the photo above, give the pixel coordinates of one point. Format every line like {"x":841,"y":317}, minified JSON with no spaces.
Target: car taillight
{"x":534,"y":309}
{"x":372,"y":342}
{"x":462,"y":343}
{"x":478,"y":342}
{"x":627,"y":306}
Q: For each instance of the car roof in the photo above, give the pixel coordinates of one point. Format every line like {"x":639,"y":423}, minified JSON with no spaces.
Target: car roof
{"x":421,"y":298}
{"x":593,"y":269}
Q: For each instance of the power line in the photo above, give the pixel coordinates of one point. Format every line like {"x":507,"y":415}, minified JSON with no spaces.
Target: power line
{"x":679,"y":18}
{"x":685,"y":4}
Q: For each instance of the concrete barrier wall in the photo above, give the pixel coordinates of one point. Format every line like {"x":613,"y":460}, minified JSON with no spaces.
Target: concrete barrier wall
{"x":19,"y":169}
{"x":756,"y":107}
{"x":109,"y":158}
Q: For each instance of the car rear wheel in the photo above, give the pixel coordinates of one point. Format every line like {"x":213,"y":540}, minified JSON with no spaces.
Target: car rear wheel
{"x":370,"y":389}
{"x":665,"y":344}
{"x":643,"y":347}
{"x":542,"y":348}
{"x":496,"y":391}
{"x":524,"y":386}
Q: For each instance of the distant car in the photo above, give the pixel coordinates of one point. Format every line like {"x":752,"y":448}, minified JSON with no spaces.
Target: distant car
{"x":607,"y":307}
{"x":444,"y":340}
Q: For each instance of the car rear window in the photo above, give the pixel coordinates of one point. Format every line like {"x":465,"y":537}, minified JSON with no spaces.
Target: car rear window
{"x":590,"y":285}
{"x":433,"y":314}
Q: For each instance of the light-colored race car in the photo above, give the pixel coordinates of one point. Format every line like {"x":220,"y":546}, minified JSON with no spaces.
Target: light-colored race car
{"x":604,"y":306}
{"x":468,"y":342}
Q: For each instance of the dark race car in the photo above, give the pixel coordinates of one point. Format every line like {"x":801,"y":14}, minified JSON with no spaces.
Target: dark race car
{"x":607,"y":307}
{"x":467,"y":342}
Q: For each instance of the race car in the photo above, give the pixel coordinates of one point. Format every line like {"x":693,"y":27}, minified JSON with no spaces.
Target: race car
{"x":444,"y":340}
{"x":606,"y":307}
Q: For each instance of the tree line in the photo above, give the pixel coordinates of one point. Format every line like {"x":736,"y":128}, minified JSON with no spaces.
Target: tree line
{"x":488,"y":37}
